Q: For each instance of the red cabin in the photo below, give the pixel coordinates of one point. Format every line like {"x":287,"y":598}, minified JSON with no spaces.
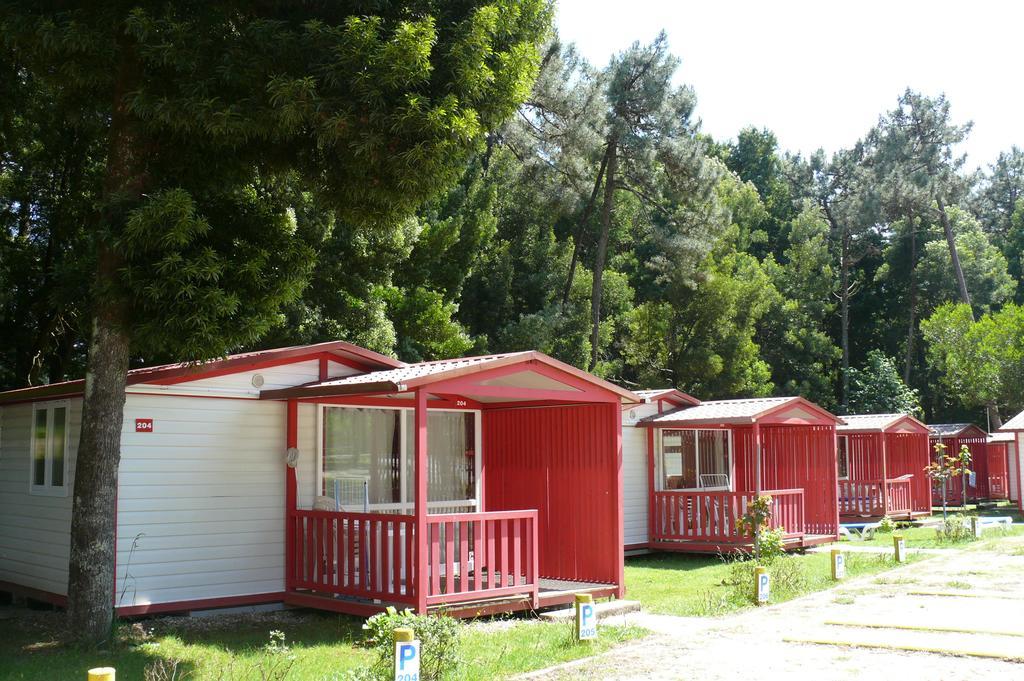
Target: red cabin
{"x":954,"y":435}
{"x":706,"y":462}
{"x":998,"y":456}
{"x":477,"y":485}
{"x":882,"y":460}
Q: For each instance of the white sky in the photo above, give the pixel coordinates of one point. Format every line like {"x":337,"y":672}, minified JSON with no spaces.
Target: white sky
{"x":819,"y":73}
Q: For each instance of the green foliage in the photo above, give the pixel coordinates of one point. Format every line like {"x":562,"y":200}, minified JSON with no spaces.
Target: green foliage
{"x":979,"y":362}
{"x":439,"y":637}
{"x":955,"y":529}
{"x":878,"y":389}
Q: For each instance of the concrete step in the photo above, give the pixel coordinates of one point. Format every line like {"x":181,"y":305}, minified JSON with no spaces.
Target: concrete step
{"x":602,"y":608}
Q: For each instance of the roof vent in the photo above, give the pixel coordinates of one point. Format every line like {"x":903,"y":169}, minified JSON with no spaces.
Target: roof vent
{"x":257,"y":380}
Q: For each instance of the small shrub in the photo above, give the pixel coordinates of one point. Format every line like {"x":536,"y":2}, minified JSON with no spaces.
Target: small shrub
{"x":786,"y":574}
{"x":886,"y":525}
{"x":165,"y":669}
{"x":955,"y":529}
{"x":439,"y":644}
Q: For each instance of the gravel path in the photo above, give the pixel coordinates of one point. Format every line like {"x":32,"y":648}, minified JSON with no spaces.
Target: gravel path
{"x":857,"y":624}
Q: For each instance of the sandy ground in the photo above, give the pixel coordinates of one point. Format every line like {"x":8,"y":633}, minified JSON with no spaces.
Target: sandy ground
{"x":774,"y":642}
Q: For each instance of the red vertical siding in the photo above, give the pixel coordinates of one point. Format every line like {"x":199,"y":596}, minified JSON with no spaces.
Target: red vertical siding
{"x":908,"y":455}
{"x":794,"y":457}
{"x":979,"y":464}
{"x":561,"y":461}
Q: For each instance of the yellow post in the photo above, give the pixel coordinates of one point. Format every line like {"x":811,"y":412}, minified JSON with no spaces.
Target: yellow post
{"x":838,"y":564}
{"x":101,"y":674}
{"x":899,"y":548}
{"x":762,"y":585}
{"x":407,"y":653}
{"x":586,"y":620}
{"x":403,"y":634}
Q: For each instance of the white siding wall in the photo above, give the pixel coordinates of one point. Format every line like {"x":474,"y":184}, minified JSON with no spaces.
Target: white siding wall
{"x":1013,"y":470}
{"x":634,"y":473}
{"x":201,"y":498}
{"x":35,"y":530}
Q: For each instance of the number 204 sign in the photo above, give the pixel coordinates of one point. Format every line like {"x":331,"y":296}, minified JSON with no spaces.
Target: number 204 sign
{"x":407,"y":661}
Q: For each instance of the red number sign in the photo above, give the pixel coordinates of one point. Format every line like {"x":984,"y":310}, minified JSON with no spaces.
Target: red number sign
{"x":143,"y":425}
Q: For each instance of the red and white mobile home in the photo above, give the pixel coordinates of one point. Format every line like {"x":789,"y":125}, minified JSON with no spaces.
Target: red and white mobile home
{"x":333,"y":477}
{"x":705,"y":462}
{"x":953,"y":436}
{"x":882,"y":461}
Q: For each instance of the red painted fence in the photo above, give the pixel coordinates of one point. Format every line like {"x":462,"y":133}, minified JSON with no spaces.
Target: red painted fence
{"x":713,"y":516}
{"x":865,"y":498}
{"x":470,"y":556}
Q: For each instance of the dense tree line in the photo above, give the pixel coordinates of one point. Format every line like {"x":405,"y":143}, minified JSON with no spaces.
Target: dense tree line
{"x":600,"y":225}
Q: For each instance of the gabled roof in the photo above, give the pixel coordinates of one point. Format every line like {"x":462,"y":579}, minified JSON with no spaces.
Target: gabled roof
{"x":189,"y":371}
{"x":411,"y":376}
{"x":672,"y":395}
{"x":955,"y":430}
{"x":743,"y":411}
{"x":881,"y":423}
{"x":1016,"y":423}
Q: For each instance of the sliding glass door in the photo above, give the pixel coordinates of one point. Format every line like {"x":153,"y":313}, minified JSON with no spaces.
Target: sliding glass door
{"x":367,"y":459}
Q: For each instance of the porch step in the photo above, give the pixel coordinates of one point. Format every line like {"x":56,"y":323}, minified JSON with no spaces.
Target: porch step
{"x":604,"y":608}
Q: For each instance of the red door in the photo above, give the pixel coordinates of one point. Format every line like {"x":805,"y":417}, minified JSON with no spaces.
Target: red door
{"x":997,"y":476}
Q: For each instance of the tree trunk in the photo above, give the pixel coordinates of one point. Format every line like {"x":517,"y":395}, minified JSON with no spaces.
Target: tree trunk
{"x":578,"y":242}
{"x":954,"y":255}
{"x":911,"y":303}
{"x":995,"y":418}
{"x":93,"y":536}
{"x":602,"y":251}
{"x":94,"y":506}
{"x":844,"y":312}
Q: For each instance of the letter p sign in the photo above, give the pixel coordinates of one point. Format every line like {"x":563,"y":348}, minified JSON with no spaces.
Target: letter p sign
{"x":586,"y":618}
{"x":407,"y":661}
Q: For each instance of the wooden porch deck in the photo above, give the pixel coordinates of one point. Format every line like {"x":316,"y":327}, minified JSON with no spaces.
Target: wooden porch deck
{"x":552,"y":592}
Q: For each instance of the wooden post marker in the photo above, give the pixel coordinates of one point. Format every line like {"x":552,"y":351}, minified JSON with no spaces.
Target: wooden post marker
{"x":899,"y":547}
{"x":762,"y":585}
{"x":407,"y":655}
{"x":976,"y":526}
{"x":838,"y":564}
{"x":586,"y":618}
{"x":101,"y":674}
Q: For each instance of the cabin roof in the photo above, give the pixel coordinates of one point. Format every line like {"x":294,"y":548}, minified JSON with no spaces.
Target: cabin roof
{"x":672,"y":395}
{"x":190,"y":371}
{"x":953,"y":429}
{"x":1001,"y":437}
{"x":881,"y":423}
{"x":741,"y":412}
{"x":1016,"y":423}
{"x":411,"y":376}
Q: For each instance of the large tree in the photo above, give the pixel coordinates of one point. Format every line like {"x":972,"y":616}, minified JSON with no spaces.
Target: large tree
{"x":214,"y":113}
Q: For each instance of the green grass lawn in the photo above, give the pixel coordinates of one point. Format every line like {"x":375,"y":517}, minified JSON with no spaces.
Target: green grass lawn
{"x":693,"y":585}
{"x":320,"y":647}
{"x":928,"y":538}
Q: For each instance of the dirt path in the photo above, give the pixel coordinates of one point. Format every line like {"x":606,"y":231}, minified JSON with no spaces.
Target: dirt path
{"x":872,"y":628}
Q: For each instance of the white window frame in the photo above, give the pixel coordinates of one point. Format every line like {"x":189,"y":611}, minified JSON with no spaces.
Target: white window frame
{"x":659,"y":477}
{"x":47,"y":489}
{"x":405,"y":505}
{"x":846,"y":451}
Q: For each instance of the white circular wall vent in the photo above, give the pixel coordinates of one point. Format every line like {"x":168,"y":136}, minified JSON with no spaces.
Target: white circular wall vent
{"x":257,"y":380}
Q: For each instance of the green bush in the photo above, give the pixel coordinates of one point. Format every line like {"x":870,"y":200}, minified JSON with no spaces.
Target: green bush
{"x":955,"y":529}
{"x":439,"y":638}
{"x":886,"y":525}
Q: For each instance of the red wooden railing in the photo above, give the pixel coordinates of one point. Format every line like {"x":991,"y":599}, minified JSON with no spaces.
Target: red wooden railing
{"x":470,"y":556}
{"x":365,"y":555}
{"x":898,"y":491}
{"x":473,"y":556}
{"x":864,"y":497}
{"x":714,"y":516}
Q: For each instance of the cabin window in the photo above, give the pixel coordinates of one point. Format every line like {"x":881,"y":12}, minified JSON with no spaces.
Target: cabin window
{"x":48,"y":465}
{"x":696,"y":459}
{"x":369,"y":459}
{"x":843,"y":457}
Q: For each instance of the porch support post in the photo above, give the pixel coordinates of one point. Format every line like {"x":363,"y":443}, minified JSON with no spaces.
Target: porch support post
{"x":835,"y":477}
{"x":290,"y":493}
{"x":420,"y":477}
{"x":757,"y":459}
{"x":652,"y":508}
{"x":885,"y":473}
{"x":620,"y":539}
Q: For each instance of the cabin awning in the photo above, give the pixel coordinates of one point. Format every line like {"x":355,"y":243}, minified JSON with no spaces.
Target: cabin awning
{"x":1016,"y":423}
{"x":882,"y":423}
{"x":517,"y":376}
{"x":763,"y":410}
{"x":943,"y":430}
